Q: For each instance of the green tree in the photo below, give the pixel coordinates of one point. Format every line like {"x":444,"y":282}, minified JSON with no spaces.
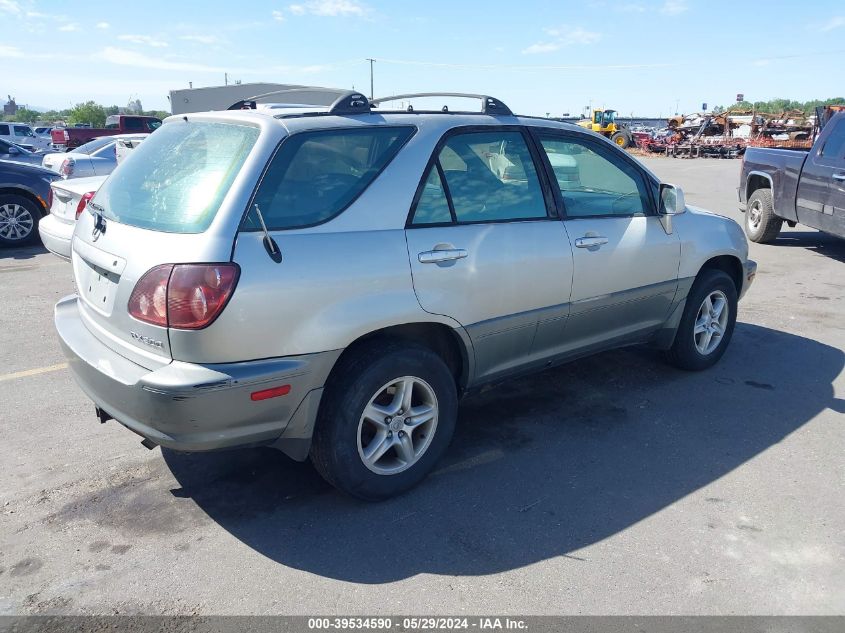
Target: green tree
{"x":88,"y":112}
{"x":161,"y":114}
{"x":25,"y":115}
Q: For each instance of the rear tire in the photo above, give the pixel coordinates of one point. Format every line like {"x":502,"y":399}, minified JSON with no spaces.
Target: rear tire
{"x":365,"y":442}
{"x":18,"y":220}
{"x":705,"y":330}
{"x":761,"y":223}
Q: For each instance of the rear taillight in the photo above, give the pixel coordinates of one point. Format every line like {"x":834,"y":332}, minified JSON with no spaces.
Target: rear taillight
{"x":183,"y":296}
{"x":83,"y":202}
{"x":67,"y":167}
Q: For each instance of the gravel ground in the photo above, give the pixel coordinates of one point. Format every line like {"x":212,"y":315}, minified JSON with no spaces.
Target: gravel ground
{"x":614,"y":485}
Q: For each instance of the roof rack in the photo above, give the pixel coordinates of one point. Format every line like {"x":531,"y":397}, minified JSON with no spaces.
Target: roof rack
{"x":347,"y":102}
{"x":489,"y":105}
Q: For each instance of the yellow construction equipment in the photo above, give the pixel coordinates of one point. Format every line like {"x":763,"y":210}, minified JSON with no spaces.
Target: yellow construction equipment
{"x":604,"y":123}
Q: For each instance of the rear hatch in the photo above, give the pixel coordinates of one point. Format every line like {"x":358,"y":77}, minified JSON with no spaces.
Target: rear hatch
{"x":158,"y":207}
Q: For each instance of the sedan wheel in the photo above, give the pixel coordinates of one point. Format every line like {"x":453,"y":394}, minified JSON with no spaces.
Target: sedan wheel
{"x":16,"y":222}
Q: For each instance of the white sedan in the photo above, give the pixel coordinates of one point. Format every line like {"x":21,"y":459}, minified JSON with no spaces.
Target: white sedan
{"x":95,"y":158}
{"x":68,"y":199}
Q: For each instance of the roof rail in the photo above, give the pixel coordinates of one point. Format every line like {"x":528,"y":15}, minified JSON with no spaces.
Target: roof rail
{"x":489,"y":105}
{"x":347,"y":101}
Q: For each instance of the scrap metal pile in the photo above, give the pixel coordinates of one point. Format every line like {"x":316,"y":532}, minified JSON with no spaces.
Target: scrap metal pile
{"x":727,"y":134}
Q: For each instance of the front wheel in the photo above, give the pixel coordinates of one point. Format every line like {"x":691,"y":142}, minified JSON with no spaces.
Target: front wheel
{"x":707,"y":324}
{"x":621,"y":140}
{"x":387,"y":418}
{"x":18,"y":220}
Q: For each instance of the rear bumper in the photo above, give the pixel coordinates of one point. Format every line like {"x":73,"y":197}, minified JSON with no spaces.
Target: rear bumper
{"x":56,"y":235}
{"x":187,"y":406}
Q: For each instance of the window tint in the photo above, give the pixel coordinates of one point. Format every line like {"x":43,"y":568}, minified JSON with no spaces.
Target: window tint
{"x":595,"y":182}
{"x":4,"y":130}
{"x":834,"y":147}
{"x":132,"y":124}
{"x":491,"y":177}
{"x":316,"y":175}
{"x":22,"y":130}
{"x":179,"y":177}
{"x":432,"y":207}
{"x":92,"y":146}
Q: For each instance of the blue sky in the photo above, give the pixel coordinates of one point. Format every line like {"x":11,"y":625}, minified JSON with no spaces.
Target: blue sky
{"x":539,"y":56}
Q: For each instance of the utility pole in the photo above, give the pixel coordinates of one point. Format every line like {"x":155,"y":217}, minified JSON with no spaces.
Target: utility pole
{"x":225,"y":79}
{"x":371,"y":60}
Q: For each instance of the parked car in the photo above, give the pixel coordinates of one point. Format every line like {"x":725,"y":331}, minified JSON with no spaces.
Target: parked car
{"x":329,"y":281}
{"x":24,"y":192}
{"x":10,"y":151}
{"x":68,"y":201}
{"x":70,"y":138}
{"x":96,"y":158}
{"x":43,"y":132}
{"x":795,"y":186}
{"x":23,"y":135}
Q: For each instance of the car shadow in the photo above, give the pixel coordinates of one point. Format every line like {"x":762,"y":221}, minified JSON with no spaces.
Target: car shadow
{"x":539,"y":467}
{"x":814,"y":241}
{"x":23,"y":252}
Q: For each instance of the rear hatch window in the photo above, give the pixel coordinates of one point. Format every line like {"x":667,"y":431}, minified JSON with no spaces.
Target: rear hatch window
{"x":178,"y":177}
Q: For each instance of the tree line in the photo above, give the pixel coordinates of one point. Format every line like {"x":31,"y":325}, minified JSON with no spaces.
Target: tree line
{"x":776,"y":106}
{"x":90,"y":113}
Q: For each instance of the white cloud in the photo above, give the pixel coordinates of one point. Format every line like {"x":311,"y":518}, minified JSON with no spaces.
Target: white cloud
{"x":146,"y":40}
{"x":541,"y":47}
{"x":103,"y":25}
{"x":201,"y":39}
{"x":631,"y":8}
{"x":330,"y":8}
{"x":10,"y":6}
{"x":674,"y":7}
{"x":563,"y":36}
{"x":123,"y":57}
{"x":835,"y":22}
{"x":10,"y":51}
{"x":69,"y":28}
{"x":278,"y":16}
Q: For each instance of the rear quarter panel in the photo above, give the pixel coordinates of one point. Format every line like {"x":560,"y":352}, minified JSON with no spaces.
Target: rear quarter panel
{"x":783,"y":169}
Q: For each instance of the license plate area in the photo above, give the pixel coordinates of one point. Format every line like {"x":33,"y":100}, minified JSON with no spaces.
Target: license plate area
{"x":97,"y":286}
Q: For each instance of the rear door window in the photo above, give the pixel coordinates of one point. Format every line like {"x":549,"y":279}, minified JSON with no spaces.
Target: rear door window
{"x":4,"y":130}
{"x":489,"y":177}
{"x":316,"y":175}
{"x":178,"y":177}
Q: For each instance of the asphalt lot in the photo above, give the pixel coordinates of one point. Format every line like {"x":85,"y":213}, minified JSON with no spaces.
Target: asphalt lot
{"x":615,"y":485}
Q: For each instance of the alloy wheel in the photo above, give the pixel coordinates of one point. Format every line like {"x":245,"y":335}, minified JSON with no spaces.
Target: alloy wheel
{"x":711,"y":322}
{"x":16,"y":222}
{"x":397,"y":425}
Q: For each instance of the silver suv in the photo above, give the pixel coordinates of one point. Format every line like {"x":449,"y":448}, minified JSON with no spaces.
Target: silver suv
{"x":330,"y":281}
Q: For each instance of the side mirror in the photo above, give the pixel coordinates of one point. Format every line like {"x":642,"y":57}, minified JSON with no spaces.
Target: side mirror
{"x":672,"y":200}
{"x":13,"y":151}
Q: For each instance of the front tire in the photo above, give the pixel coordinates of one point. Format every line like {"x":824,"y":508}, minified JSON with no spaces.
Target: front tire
{"x":387,"y":417}
{"x":761,"y":223}
{"x":18,"y":220}
{"x":621,"y":140}
{"x":707,"y":324}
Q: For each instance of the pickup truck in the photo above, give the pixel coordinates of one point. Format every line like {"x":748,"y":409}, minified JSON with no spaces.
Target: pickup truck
{"x":65,"y":139}
{"x":795,"y":186}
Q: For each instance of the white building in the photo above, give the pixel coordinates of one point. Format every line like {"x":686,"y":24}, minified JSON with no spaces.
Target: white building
{"x":221,"y":97}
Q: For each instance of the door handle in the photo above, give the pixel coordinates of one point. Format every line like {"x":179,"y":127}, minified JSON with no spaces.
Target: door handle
{"x":839,"y":176}
{"x":590,"y":242}
{"x":446,"y":255}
